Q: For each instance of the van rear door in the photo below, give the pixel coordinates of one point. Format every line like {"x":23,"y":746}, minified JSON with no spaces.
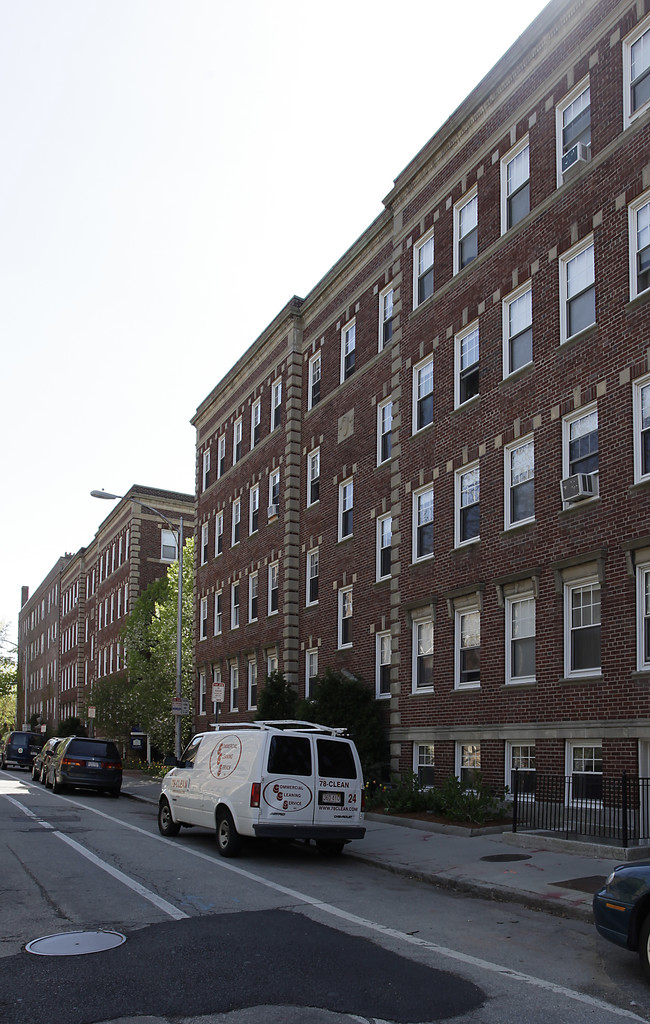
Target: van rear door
{"x":287,"y":789}
{"x":339,"y":782}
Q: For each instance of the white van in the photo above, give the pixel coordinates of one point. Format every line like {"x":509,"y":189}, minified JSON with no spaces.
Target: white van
{"x":281,"y":780}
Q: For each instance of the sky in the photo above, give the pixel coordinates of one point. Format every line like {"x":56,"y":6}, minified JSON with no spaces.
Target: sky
{"x":172,"y":173}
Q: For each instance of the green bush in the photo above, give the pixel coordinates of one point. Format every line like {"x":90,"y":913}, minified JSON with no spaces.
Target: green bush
{"x":455,"y":800}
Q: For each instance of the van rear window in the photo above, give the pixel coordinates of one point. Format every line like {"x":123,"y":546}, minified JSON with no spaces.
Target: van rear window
{"x":289,"y":755}
{"x":335,"y":760}
{"x":93,"y":748}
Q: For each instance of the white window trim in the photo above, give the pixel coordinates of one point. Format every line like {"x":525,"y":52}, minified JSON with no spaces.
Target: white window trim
{"x":458,"y":344}
{"x":235,"y":586}
{"x":639,"y":385}
{"x":421,"y":242}
{"x":251,"y":679}
{"x":508,"y":450}
{"x":505,"y":160}
{"x":255,"y":490}
{"x":276,"y":611}
{"x":310,"y":457}
{"x":414,"y":520}
{"x":458,"y":207}
{"x":233,"y":670}
{"x":420,"y":619}
{"x":565,"y":102}
{"x":505,"y":321}
{"x":633,"y":210}
{"x":414,"y":411}
{"x":308,"y":654}
{"x":566,"y":438}
{"x":570,"y":745}
{"x":458,"y":475}
{"x":568,"y":587}
{"x":510,"y":744}
{"x":642,"y":570}
{"x":563,"y":264}
{"x":464,"y":609}
{"x":458,"y":758}
{"x":378,"y":573}
{"x":317,"y":357}
{"x":218,"y":615}
{"x":341,"y":594}
{"x":218,"y":521}
{"x":380,"y":408}
{"x":382,"y":295}
{"x":251,"y":596}
{"x":276,"y":401}
{"x":203,"y":619}
{"x":312,"y":551}
{"x":256,"y":407}
{"x":629,"y":116}
{"x":206,"y":472}
{"x":221,"y":455}
{"x":510,"y":600}
{"x":342,"y":486}
{"x":238,"y":427}
{"x":416,"y":760}
{"x":345,"y":330}
{"x":273,"y":475}
{"x":383,"y":634}
{"x":204,"y":542}
{"x":235,"y":521}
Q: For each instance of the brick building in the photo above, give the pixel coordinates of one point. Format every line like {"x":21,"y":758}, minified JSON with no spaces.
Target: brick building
{"x":434,"y":470}
{"x":69,"y":630}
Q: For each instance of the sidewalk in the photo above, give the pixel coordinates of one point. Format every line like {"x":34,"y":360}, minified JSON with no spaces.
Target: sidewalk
{"x":536,"y":871}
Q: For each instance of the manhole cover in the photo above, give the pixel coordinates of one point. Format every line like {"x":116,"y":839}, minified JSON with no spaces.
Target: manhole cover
{"x":503,"y":858}
{"x":75,"y":943}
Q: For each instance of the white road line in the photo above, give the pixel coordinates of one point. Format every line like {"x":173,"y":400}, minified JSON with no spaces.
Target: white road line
{"x":375,"y":926}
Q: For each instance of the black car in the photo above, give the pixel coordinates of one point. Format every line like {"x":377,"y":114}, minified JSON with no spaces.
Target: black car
{"x":622,"y":909}
{"x":19,"y":749}
{"x":43,"y":758}
{"x":83,"y":763}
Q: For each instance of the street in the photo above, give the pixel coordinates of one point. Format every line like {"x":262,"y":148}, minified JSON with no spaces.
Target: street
{"x":280,"y":934}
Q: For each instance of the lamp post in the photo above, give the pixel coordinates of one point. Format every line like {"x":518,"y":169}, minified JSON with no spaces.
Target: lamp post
{"x":106,"y":495}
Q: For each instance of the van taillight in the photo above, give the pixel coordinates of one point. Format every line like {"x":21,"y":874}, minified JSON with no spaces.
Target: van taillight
{"x":255,"y":794}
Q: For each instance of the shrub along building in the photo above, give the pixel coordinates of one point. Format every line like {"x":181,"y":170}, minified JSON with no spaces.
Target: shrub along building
{"x":70,"y":629}
{"x":434,"y":470}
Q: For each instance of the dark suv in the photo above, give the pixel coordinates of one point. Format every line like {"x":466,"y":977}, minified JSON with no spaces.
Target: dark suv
{"x":87,"y":764}
{"x":20,"y":748}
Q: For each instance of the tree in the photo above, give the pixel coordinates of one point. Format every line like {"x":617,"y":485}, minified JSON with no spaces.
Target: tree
{"x":149,"y":638}
{"x":276,"y":700}
{"x":8,"y":681}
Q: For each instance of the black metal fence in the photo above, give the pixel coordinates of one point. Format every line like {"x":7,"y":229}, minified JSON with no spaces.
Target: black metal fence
{"x":583,"y":805}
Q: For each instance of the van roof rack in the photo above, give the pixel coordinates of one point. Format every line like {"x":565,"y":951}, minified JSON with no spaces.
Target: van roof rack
{"x":290,"y":724}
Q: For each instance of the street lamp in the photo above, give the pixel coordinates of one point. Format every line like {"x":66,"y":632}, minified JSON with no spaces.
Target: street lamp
{"x":179,"y":614}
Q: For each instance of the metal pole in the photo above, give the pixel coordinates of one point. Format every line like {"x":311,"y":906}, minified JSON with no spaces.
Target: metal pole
{"x":179,"y":638}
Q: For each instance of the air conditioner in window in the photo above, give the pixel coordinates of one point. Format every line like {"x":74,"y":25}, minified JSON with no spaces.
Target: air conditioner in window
{"x":578,"y":154}
{"x":577,"y":487}
{"x":272,"y":511}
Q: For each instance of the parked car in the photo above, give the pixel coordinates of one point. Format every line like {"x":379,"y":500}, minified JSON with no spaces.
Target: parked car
{"x":277,"y":780}
{"x":43,"y":758}
{"x":83,"y":763}
{"x":622,"y":909}
{"x":19,"y":749}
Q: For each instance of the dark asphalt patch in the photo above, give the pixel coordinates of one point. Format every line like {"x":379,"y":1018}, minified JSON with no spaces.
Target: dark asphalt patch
{"x":227,"y":962}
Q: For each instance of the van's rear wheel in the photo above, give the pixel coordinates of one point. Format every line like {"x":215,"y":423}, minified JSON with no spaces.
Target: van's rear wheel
{"x":166,"y":824}
{"x":329,"y":847}
{"x":228,"y":838}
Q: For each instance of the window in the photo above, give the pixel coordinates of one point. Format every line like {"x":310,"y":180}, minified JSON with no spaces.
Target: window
{"x":577,"y":290}
{"x":520,"y":757}
{"x":384,"y":538}
{"x":168,"y":550}
{"x":203,"y":686}
{"x":422,"y":395}
{"x":642,"y":430}
{"x":346,"y":501}
{"x":382,"y":662}
{"x":271,"y":662}
{"x":385,"y":316}
{"x":252,"y":684}
{"x":234,"y":686}
{"x":423,"y":762}
{"x":252,"y":596}
{"x":468,"y":492}
{"x":218,"y":614}
{"x":518,"y":330}
{"x":234,"y":605}
{"x":236,"y":521}
{"x":274,"y":493}
{"x":423,"y":524}
{"x":274,"y":587}
{"x":216,"y":681}
{"x":422,"y":654}
{"x":256,"y":416}
{"x":466,"y":231}
{"x":236,"y":441}
{"x":254,"y":509}
{"x":582,"y":628}
{"x":312,"y":576}
{"x":580,"y":445}
{"x":643,"y":617}
{"x":636,"y":72}
{"x":468,"y":648}
{"x":314,"y":381}
{"x":206,"y":470}
{"x":311,"y":670}
{"x":573,"y":129}
{"x":423,"y":270}
{"x":468,"y":763}
{"x":466,"y":359}
{"x":204,"y":542}
{"x":276,"y":404}
{"x":218,"y":534}
{"x":586,"y":769}
{"x":520,"y":638}
{"x":313,"y":476}
{"x":639,"y":215}
{"x":520,"y":483}
{"x":204,"y":619}
{"x":515,"y":186}
{"x":345,"y":617}
{"x":384,"y":431}
{"x":221,"y":457}
{"x":348,"y":345}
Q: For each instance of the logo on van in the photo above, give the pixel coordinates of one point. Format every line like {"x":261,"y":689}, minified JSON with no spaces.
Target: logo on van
{"x":287,"y":795}
{"x":225,"y":757}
